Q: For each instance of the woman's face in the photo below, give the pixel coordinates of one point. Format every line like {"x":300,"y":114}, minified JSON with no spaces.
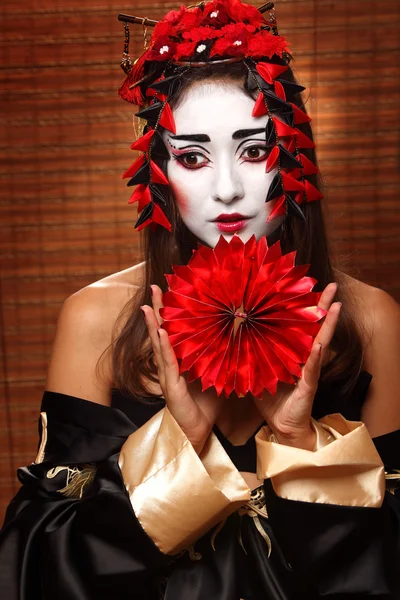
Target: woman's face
{"x":217,"y":165}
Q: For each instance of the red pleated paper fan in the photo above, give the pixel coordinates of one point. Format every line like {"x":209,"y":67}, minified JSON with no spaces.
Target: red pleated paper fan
{"x":241,"y":316}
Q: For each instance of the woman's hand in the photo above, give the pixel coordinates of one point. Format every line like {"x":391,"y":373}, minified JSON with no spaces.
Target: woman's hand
{"x":195,"y":411}
{"x":288,"y":413}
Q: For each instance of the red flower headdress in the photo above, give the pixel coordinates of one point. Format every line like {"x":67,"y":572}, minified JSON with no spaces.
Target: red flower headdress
{"x":214,"y":32}
{"x":241,"y":316}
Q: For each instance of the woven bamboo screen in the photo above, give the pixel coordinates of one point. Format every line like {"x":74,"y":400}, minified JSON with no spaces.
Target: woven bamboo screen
{"x":65,"y":142}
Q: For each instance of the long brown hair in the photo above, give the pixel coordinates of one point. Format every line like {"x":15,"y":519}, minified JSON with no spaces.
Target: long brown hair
{"x":132,"y":358}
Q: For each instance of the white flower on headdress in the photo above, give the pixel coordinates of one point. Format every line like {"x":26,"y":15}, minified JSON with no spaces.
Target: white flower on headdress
{"x":214,"y":14}
{"x":201,"y":48}
{"x":164,"y":49}
{"x":237,"y":43}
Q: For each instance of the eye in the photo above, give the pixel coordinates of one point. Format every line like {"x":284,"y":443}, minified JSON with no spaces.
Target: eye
{"x":255,"y":153}
{"x":191,"y":160}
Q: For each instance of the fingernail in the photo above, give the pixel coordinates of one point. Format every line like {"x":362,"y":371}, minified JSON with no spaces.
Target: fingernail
{"x":158,"y":333}
{"x":320,"y":349}
{"x":143,"y":311}
{"x":151,"y":290}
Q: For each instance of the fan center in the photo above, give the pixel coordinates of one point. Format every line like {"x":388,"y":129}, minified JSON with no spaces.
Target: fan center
{"x":240,"y":316}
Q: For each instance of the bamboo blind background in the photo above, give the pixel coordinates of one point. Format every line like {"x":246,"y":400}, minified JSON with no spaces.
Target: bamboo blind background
{"x":65,"y":142}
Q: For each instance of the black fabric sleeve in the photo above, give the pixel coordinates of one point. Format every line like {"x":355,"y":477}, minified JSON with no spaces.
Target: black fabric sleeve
{"x":342,"y":552}
{"x":69,"y":548}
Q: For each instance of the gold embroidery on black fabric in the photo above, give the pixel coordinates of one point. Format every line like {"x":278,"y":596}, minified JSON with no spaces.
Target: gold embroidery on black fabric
{"x":240,"y":539}
{"x":193,"y":555}
{"x":256,"y":505}
{"x":256,"y":508}
{"x":216,"y":532}
{"x":392,"y":481}
{"x":77,"y":479}
{"x":43,"y":439}
{"x":263,"y":534}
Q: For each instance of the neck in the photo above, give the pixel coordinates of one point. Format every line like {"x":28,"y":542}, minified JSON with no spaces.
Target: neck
{"x":239,"y":418}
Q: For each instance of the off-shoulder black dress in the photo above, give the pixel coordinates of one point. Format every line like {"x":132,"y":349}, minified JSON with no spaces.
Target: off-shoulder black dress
{"x":55,"y":547}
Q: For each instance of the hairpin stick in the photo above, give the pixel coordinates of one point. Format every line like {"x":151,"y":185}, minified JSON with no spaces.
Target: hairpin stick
{"x":152,"y":23}
{"x":140,"y":20}
{"x":265,"y":7}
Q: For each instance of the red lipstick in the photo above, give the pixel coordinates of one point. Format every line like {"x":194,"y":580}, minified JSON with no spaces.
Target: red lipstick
{"x":231,"y":222}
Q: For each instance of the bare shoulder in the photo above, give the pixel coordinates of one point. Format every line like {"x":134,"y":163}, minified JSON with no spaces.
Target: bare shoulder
{"x":378,"y":315}
{"x":374,"y":310}
{"x":87,"y":325}
{"x":103,"y":300}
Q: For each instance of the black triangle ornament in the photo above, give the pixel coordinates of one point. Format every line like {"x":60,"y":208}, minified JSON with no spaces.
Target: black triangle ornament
{"x":287,"y":117}
{"x":275,"y":189}
{"x":151,"y":113}
{"x":270,"y":133}
{"x":256,"y":82}
{"x":142,"y":176}
{"x":167,"y":86}
{"x":276,"y":104}
{"x":291,"y":88}
{"x":287,"y":160}
{"x":145,"y":214}
{"x":251,"y":84}
{"x":158,"y":147}
{"x":293,"y":209}
{"x":157,"y":194}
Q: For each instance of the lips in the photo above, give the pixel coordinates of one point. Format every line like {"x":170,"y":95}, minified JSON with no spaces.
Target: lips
{"x":230,"y":223}
{"x":229,"y":217}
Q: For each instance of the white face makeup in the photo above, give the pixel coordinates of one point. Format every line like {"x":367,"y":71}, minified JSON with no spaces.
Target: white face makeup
{"x":217,"y":166}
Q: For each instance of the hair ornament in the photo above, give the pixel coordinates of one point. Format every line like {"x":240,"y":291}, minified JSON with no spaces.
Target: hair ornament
{"x":215,"y":32}
{"x":126,"y":63}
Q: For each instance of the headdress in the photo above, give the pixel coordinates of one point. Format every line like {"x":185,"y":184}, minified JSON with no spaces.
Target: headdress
{"x":215,"y":32}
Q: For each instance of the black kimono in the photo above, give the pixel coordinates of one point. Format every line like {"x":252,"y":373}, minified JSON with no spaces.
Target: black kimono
{"x":118,"y":505}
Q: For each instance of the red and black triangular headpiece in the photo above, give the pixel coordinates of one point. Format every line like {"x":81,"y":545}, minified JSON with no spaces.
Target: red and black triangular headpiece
{"x":199,"y":35}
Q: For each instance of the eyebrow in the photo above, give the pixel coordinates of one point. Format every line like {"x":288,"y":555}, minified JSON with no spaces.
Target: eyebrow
{"x":202,"y":137}
{"x":197,"y":137}
{"x":244,"y":133}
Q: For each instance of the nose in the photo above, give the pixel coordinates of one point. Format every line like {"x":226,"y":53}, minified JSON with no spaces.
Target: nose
{"x":228,"y":185}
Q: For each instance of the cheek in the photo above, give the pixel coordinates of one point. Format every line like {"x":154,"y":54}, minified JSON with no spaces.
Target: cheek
{"x":181,"y":195}
{"x":179,"y":187}
{"x":182,"y":202}
{"x":257,"y":182}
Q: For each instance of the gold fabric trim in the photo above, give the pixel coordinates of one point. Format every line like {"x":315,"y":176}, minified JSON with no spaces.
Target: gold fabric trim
{"x":347,"y":471}
{"x":43,"y":441}
{"x":323,"y":435}
{"x":177,"y":495}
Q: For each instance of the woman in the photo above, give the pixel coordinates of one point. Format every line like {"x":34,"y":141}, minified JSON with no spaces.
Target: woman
{"x":145,"y":485}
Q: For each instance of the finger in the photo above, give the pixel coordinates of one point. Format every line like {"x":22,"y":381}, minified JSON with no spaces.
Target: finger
{"x":328,"y":327}
{"x":311,"y":372}
{"x":327,"y":330}
{"x":156,"y":299}
{"x":152,"y":327}
{"x":327,"y":296}
{"x":171,"y":367}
